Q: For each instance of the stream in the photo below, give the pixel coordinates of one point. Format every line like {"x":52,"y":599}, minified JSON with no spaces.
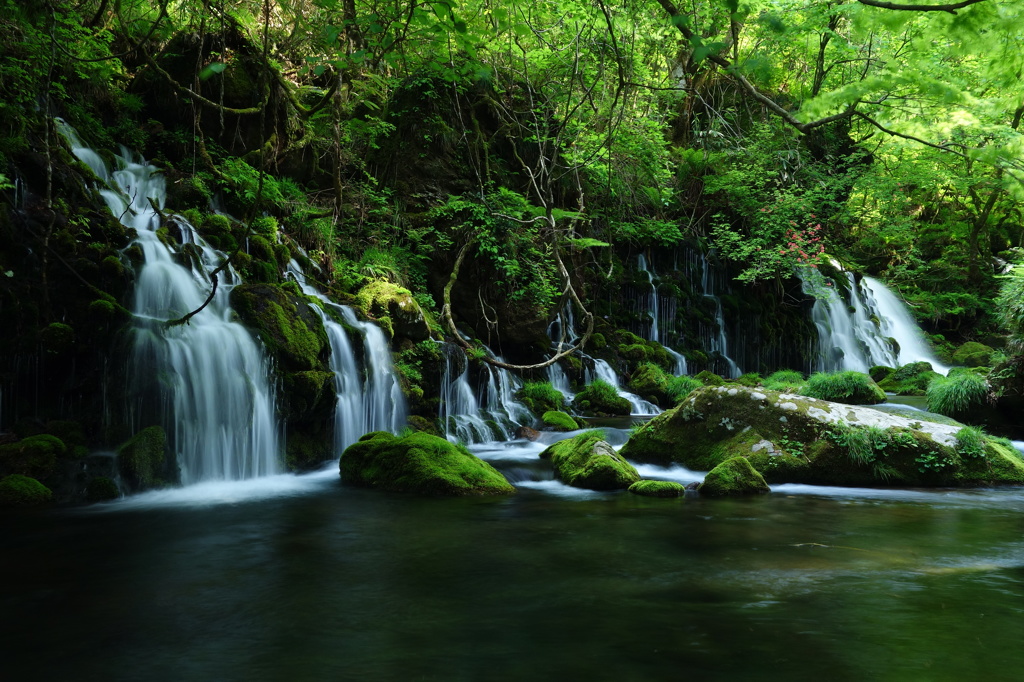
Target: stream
{"x":299,"y":578}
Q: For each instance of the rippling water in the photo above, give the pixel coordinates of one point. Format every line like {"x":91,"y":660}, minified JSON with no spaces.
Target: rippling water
{"x":299,"y":578}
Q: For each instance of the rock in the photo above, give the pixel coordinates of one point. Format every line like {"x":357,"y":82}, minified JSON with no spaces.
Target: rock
{"x":35,"y":456}
{"x":292,"y":332}
{"x":910,"y":379}
{"x":734,"y":476}
{"x":587,"y":461}
{"x":649,"y":488}
{"x":650,"y":382}
{"x":23,"y":491}
{"x":973,"y":354}
{"x":559,"y":421}
{"x":527,"y":433}
{"x":101,"y":489}
{"x":709,"y":378}
{"x":418,"y":463}
{"x":880,"y":372}
{"x":797,"y":439}
{"x":601,"y":398}
{"x":394,"y":309}
{"x":141,"y":460}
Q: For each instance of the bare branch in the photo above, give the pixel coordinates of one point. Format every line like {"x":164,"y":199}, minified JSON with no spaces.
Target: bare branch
{"x":951,"y":7}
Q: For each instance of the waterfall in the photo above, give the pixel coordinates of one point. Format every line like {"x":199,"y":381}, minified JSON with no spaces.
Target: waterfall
{"x":207,"y":382}
{"x":855,"y":334}
{"x":472,"y":416}
{"x":369,"y":397}
{"x":718,"y":341}
{"x":637,"y":405}
{"x":652,"y":309}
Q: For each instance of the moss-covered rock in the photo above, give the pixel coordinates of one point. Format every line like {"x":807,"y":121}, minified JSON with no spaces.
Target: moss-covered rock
{"x":649,"y":488}
{"x":34,"y":456}
{"x":418,"y":463}
{"x":101,"y":489}
{"x":790,"y":438}
{"x":292,"y":333}
{"x":559,"y":421}
{"x":57,"y":338}
{"x":17,"y":490}
{"x":394,"y":309}
{"x":650,"y":382}
{"x":734,"y":476}
{"x":587,"y":461}
{"x":910,"y":379}
{"x":540,"y":397}
{"x":880,"y":372}
{"x":852,"y":388}
{"x":141,"y":460}
{"x":973,"y":354}
{"x":418,"y":423}
{"x":709,"y":379}
{"x":600,"y":398}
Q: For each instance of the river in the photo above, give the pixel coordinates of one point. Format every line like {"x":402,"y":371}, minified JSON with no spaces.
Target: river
{"x":299,"y":578}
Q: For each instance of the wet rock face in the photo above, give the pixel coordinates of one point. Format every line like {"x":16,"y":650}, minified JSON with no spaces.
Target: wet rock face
{"x":791,"y":438}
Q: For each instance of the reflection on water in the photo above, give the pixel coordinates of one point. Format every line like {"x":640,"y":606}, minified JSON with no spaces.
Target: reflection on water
{"x":303,"y":579}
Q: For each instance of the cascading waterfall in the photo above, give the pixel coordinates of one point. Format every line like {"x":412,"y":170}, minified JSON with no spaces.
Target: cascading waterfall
{"x":369,"y":397}
{"x":652,"y":308}
{"x":469,"y":418}
{"x":855,"y":334}
{"x":562,"y":332}
{"x":207,"y":381}
{"x":718,"y":341}
{"x":637,"y":405}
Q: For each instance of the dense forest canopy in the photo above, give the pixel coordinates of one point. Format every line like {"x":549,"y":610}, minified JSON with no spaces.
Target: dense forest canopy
{"x":780,"y":133}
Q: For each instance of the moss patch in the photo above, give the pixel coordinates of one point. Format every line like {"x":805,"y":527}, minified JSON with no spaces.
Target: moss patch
{"x":648,"y":488}
{"x":394,"y":309}
{"x":734,"y":476}
{"x":292,"y":333}
{"x":23,"y":491}
{"x":418,"y":463}
{"x":587,"y":461}
{"x":601,"y":398}
{"x":559,"y":421}
{"x":141,"y":459}
{"x":35,"y":456}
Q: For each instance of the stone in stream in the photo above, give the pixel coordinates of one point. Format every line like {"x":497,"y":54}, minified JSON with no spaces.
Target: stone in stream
{"x":734,"y":476}
{"x":795,"y":439}
{"x":587,"y":461}
{"x":649,"y":488}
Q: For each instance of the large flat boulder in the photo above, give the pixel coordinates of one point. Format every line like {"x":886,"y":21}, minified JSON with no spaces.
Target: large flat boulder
{"x":797,"y":439}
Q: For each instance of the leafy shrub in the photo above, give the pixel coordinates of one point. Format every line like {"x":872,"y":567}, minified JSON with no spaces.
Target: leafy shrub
{"x":852,"y":388}
{"x":1011,"y":307}
{"x":957,"y":394}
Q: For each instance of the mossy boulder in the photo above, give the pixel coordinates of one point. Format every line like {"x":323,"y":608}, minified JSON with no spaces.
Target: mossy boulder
{"x":587,"y":461}
{"x":600,"y":398}
{"x":649,"y":488}
{"x":418,"y":463}
{"x":101,"y":489}
{"x":34,"y":456}
{"x":650,"y":382}
{"x":973,"y":354}
{"x":709,"y":379}
{"x":17,"y":490}
{"x":57,"y":338}
{"x":559,"y":421}
{"x":798,"y":439}
{"x":910,"y":379}
{"x":394,"y":309}
{"x":880,"y":372}
{"x":292,"y":332}
{"x":851,"y":388}
{"x":141,"y":460}
{"x":734,"y":476}
{"x":540,"y":397}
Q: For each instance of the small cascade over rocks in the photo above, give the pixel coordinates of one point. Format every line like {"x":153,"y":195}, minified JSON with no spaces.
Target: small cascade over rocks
{"x":867,"y":326}
{"x":208,"y":383}
{"x":712,"y":282}
{"x":369,"y":397}
{"x":653,"y":308}
{"x":483,"y":410}
{"x":638,"y":407}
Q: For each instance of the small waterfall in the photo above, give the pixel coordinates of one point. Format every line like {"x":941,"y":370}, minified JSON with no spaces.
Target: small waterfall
{"x":369,"y":398}
{"x":207,"y":381}
{"x":482,"y":416}
{"x":718,"y":342}
{"x":855,"y":334}
{"x":562,"y":332}
{"x":653,"y":310}
{"x":637,"y":405}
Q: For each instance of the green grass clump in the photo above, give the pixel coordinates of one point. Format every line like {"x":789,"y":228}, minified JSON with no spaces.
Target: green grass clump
{"x":852,"y":388}
{"x":601,"y":397}
{"x":957,"y":394}
{"x":970,"y":442}
{"x":541,"y":397}
{"x":785,"y":380}
{"x":750,"y":379}
{"x":680,"y":387}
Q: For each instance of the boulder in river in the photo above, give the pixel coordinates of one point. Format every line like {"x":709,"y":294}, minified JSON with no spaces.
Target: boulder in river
{"x":587,"y":461}
{"x":419,"y":463}
{"x":734,"y":476}
{"x":797,"y":439}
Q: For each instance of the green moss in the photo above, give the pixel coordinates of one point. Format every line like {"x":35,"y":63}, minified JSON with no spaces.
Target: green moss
{"x":852,"y":388}
{"x":601,"y":398}
{"x":559,"y":421}
{"x":973,"y":354}
{"x":651,"y":383}
{"x":541,"y":397}
{"x":750,"y":379}
{"x":394,"y":309}
{"x":23,"y":491}
{"x":57,"y":338}
{"x":141,"y":459}
{"x":734,"y":476}
{"x":101,"y":489}
{"x":910,"y":379}
{"x":292,"y":333}
{"x":710,"y":379}
{"x":597,"y":341}
{"x":587,"y":461}
{"x":418,"y":423}
{"x":216,"y":230}
{"x":648,"y":488}
{"x":418,"y":463}
{"x":880,"y":372}
{"x":102,"y":310}
{"x":306,"y":450}
{"x":34,"y":456}
{"x":635,"y":353}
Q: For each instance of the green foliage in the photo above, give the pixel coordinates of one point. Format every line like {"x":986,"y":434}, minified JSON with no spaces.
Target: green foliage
{"x":649,"y":488}
{"x":709,"y":379}
{"x":786,"y":380}
{"x":956,"y":395}
{"x":853,"y":388}
{"x":23,"y":491}
{"x":559,"y":421}
{"x":970,"y":442}
{"x":600,"y":397}
{"x":681,"y":386}
{"x":541,"y":397}
{"x":1011,"y":307}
